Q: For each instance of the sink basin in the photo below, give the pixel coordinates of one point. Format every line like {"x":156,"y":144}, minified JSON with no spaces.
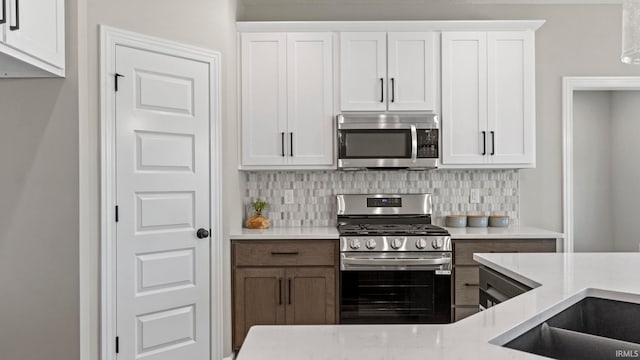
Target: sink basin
{"x":592,"y":328}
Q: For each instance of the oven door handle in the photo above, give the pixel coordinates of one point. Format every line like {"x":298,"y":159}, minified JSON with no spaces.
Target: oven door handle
{"x":351,"y":262}
{"x":414,"y":143}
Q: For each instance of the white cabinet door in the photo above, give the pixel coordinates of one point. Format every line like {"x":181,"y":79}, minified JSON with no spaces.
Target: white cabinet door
{"x":412,"y":74}
{"x":363,"y":67}
{"x":264,"y":98}
{"x":464,"y":97}
{"x":511,"y":97}
{"x":310,"y":94}
{"x":36,"y":27}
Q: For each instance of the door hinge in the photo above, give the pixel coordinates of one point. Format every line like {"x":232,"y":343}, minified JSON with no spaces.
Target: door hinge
{"x":117,"y":344}
{"x":116,"y":76}
{"x":117,"y":213}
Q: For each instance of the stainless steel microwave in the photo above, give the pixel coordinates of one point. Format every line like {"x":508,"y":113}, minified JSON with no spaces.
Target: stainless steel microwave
{"x":388,"y":140}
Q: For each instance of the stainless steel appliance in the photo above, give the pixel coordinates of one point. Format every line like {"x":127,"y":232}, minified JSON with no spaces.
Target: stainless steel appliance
{"x":395,"y":267}
{"x":388,"y":140}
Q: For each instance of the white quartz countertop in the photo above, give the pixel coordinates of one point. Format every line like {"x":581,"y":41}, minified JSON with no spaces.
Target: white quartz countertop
{"x":511,"y":232}
{"x":283,"y":233}
{"x":330,"y":232}
{"x":562,"y":277}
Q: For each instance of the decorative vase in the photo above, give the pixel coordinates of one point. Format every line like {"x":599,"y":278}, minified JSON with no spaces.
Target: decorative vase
{"x":257,"y":221}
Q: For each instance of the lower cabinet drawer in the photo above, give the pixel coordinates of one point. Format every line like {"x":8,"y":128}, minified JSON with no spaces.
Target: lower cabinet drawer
{"x":467,"y":281}
{"x":285,"y":253}
{"x":463,"y":250}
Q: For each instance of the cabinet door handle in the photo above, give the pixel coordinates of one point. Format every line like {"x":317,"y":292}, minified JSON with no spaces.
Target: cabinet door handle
{"x":484,"y":143}
{"x":393,"y":90}
{"x":381,"y":90}
{"x":17,"y":25}
{"x":289,"y":291}
{"x":282,"y":139}
{"x":284,"y":253}
{"x":291,"y":144}
{"x":279,"y":291}
{"x":4,"y":12}
{"x":493,"y":142}
{"x":471,"y":284}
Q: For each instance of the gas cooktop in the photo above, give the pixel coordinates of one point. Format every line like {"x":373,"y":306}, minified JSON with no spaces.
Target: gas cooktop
{"x":391,"y":229}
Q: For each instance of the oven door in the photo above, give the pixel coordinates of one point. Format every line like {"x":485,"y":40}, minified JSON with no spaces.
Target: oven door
{"x":395,"y":289}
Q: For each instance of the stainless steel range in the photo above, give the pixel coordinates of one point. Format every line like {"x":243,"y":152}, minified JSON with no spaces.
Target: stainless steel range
{"x":395,"y":266}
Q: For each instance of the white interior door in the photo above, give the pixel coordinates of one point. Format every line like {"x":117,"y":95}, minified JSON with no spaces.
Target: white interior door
{"x":163,"y":197}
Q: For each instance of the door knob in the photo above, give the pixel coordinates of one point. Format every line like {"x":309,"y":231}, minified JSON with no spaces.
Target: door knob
{"x":202,"y":233}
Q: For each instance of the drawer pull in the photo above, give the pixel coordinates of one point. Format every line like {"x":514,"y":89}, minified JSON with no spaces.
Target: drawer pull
{"x":276,"y":253}
{"x":471,"y":284}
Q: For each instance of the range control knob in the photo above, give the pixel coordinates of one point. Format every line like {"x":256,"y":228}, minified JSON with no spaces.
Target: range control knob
{"x":354,"y":244}
{"x":437,"y":243}
{"x":396,"y":243}
{"x":371,"y":244}
{"x":421,"y":243}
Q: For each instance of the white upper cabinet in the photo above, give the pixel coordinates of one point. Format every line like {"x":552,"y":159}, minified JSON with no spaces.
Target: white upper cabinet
{"x":511,"y":95}
{"x":412,"y":75}
{"x":287,"y":100}
{"x":264,"y":98}
{"x":464,"y":97}
{"x":309,"y":98}
{"x":488,"y":99}
{"x":363,"y":68}
{"x":33,"y":44}
{"x":395,"y":71}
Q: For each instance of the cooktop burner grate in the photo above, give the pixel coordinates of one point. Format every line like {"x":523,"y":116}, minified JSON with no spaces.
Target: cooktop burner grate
{"x":390,"y":229}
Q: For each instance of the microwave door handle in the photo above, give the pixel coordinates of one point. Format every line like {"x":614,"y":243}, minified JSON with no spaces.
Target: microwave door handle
{"x":414,"y":143}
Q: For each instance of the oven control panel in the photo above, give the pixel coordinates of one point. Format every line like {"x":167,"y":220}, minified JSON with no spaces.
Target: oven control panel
{"x":395,"y":243}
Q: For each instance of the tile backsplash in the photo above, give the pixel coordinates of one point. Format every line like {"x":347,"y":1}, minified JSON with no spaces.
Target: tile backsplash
{"x":315,"y":203}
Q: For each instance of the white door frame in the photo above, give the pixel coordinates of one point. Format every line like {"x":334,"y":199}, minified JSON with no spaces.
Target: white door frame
{"x":109,"y":39}
{"x":570,"y":84}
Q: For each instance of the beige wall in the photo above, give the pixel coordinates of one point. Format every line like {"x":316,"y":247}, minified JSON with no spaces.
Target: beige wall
{"x":592,"y":166}
{"x":39,"y":213}
{"x":625,"y":174}
{"x":606,"y":149}
{"x":576,"y":40}
{"x":205,"y":23}
{"x":40,"y":124}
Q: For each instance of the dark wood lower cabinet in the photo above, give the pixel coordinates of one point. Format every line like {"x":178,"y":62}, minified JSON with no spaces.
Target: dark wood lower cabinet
{"x":272,"y":294}
{"x":466,"y":270}
{"x":258,"y":300}
{"x":311,"y":296}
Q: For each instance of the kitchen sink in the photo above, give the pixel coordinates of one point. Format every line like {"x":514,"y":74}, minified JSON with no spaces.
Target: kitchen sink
{"x":592,"y":328}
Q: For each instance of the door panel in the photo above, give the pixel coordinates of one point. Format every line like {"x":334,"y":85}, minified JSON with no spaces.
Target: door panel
{"x":264,"y":99}
{"x":464,"y":97}
{"x":310,"y":98}
{"x":511,"y":97}
{"x":363,"y":63}
{"x":258,"y":300}
{"x":41,"y":29}
{"x":412,"y":71}
{"x":311,"y":296}
{"x":162,"y":179}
